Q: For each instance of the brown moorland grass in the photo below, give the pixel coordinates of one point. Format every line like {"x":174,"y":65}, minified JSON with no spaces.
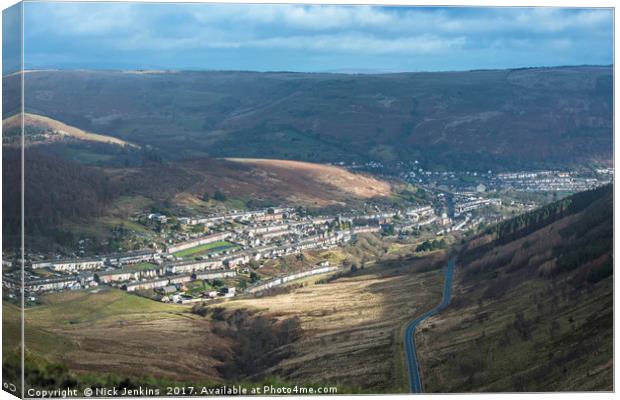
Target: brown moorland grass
{"x":311,"y":185}
{"x":351,"y":330}
{"x":61,"y":128}
{"x":113,"y":332}
{"x":299,"y":174}
{"x":353,"y":326}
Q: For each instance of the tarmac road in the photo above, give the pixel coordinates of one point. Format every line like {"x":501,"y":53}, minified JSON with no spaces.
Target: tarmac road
{"x":415,"y":385}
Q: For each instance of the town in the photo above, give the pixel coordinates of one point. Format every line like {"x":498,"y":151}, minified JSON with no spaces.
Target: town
{"x":217,"y":256}
{"x":525,"y":181}
{"x":218,"y":247}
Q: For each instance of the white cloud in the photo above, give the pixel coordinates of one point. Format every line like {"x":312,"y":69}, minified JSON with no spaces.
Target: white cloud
{"x":312,"y":17}
{"x":321,"y":17}
{"x":353,"y":29}
{"x":339,"y":42}
{"x":359,"y":43}
{"x":87,"y":19}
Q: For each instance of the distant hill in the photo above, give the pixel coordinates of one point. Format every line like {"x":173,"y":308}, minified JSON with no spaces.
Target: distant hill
{"x":497,"y":119}
{"x":254,"y":182}
{"x":533,"y":305}
{"x":40,"y":129}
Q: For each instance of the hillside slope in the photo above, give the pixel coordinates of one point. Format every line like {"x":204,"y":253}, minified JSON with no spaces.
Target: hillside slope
{"x":51,"y":209}
{"x":302,"y":174}
{"x":40,"y":129}
{"x":498,"y":119}
{"x":533,"y":305}
{"x":275,"y":182}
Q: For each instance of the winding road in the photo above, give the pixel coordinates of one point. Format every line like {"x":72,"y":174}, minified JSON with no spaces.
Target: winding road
{"x":415,"y":385}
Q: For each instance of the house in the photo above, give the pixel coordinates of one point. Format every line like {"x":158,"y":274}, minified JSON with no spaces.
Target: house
{"x":225,"y":273}
{"x":323,"y":263}
{"x":276,"y":233}
{"x":160,"y":218}
{"x":366,"y":229}
{"x":145,"y":285}
{"x":279,"y":281}
{"x":75,"y":265}
{"x":168,"y":289}
{"x":269,"y":217}
{"x":216,"y":237}
{"x":193,"y":266}
{"x":43,"y":285}
{"x":180,"y":278}
{"x":152,"y":272}
{"x":116,"y":276}
{"x":132,"y":257}
{"x":85,"y":278}
{"x":237,"y":260}
{"x":41,"y":264}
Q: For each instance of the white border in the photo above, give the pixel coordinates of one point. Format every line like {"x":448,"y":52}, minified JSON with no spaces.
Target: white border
{"x":475,"y":3}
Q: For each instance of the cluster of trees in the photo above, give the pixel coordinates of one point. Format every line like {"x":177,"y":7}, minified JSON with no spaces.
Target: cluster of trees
{"x":55,"y":189}
{"x":258,"y":341}
{"x":431,"y":245}
{"x":527,"y":223}
{"x":217,"y":196}
{"x":254,"y":277}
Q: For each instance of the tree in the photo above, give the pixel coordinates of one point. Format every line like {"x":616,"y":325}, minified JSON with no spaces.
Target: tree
{"x":198,"y":228}
{"x":219,"y":196}
{"x":388,"y":229}
{"x":205,"y":196}
{"x":253,"y":277}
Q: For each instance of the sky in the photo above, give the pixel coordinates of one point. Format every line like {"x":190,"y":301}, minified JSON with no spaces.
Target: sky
{"x":311,"y":38}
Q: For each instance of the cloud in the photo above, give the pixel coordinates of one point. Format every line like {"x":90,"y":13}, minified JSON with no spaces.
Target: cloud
{"x":163,"y":30}
{"x":405,"y":19}
{"x":89,"y":19}
{"x":313,"y":17}
{"x":340,"y":42}
{"x":361,"y":43}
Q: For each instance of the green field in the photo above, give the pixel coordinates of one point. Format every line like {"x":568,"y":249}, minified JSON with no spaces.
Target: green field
{"x":45,"y":322}
{"x":221,"y":245}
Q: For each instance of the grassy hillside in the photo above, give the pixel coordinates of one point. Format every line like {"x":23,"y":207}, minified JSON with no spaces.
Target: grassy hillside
{"x":498,"y":119}
{"x":533,"y":305}
{"x":300,"y":174}
{"x":40,"y":129}
{"x":112,"y":338}
{"x":310,"y":333}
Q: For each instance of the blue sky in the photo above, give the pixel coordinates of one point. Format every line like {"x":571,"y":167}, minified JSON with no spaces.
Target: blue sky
{"x":311,"y":38}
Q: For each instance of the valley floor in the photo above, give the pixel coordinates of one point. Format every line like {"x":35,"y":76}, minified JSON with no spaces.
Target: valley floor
{"x":351,"y":330}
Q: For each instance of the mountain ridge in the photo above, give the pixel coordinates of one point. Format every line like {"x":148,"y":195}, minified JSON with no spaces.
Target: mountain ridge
{"x":490,"y":119}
